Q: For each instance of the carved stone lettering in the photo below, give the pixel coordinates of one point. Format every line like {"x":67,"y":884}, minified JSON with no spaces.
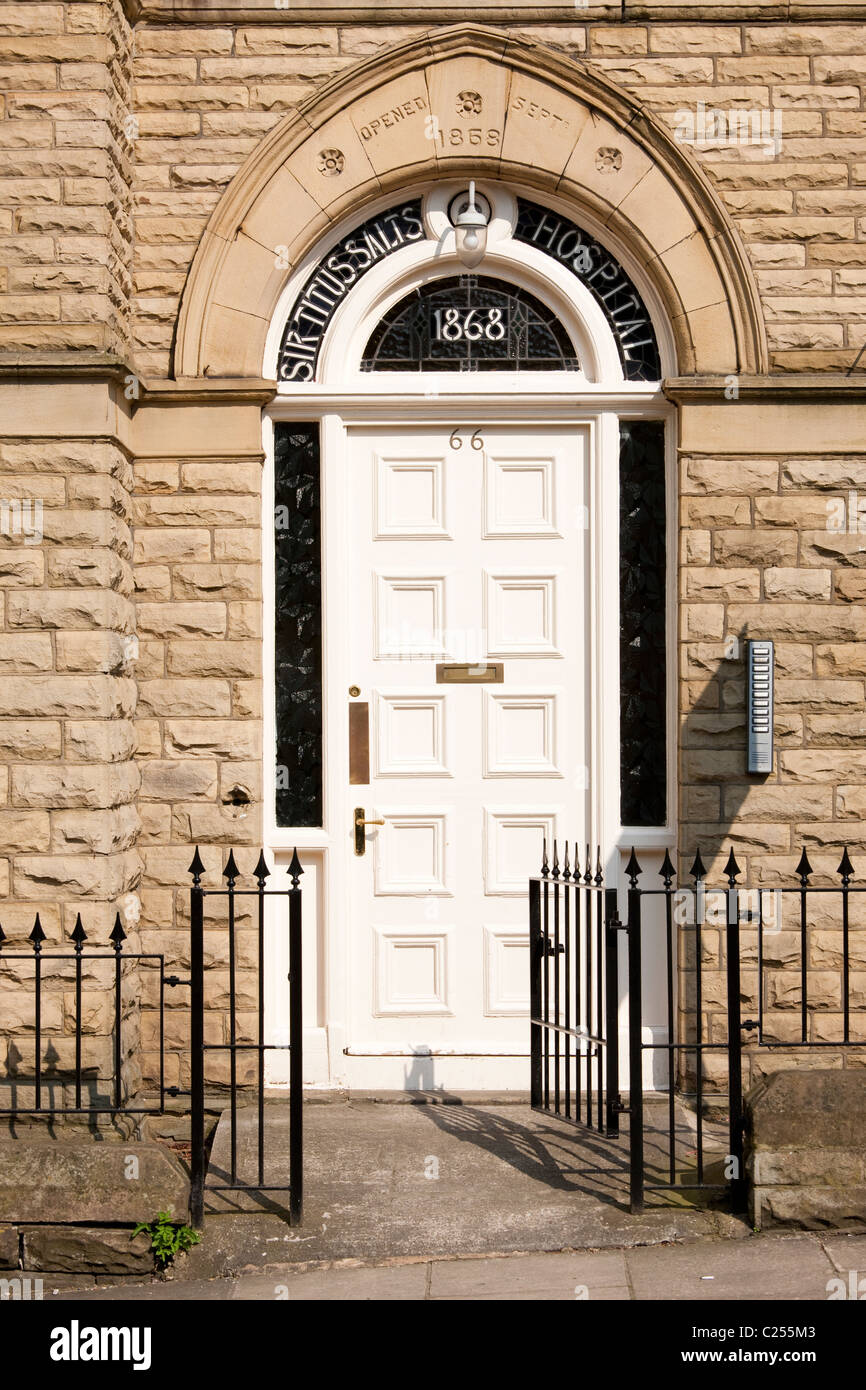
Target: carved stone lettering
{"x":392,"y":117}
{"x":594,"y":265}
{"x":342,"y":267}
{"x":333,"y":277}
{"x":523,"y":106}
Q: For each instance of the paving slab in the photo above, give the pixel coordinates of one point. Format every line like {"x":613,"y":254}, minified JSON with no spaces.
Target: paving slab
{"x":536,"y":1276}
{"x":380,"y":1282}
{"x":156,"y":1291}
{"x":847,"y":1253}
{"x":769,"y":1267}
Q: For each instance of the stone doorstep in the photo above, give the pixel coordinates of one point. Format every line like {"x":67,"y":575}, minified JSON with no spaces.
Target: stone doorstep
{"x":85,"y":1250}
{"x":54,"y":1183}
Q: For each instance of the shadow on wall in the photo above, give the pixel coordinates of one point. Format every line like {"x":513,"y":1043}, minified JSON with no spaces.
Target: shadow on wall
{"x":768,"y":821}
{"x":715,"y":788}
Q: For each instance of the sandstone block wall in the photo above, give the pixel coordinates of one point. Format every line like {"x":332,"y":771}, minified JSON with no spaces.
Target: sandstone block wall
{"x":205,"y":97}
{"x":68,"y":819}
{"x":770,"y":548}
{"x":65,"y":164}
{"x":759,"y":558}
{"x":198,"y":727}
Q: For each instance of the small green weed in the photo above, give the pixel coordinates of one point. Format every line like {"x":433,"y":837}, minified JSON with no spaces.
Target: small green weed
{"x":168,"y":1238}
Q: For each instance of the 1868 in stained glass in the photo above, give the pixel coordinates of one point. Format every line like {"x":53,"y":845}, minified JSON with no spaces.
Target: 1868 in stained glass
{"x":469,"y":323}
{"x":298,"y":624}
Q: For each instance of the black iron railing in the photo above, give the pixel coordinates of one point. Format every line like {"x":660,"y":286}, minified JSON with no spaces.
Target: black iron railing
{"x":679,"y":1046}
{"x":49,"y":1084}
{"x":756,"y":916}
{"x":706,"y":1042}
{"x":82,"y":1087}
{"x":229,"y":896}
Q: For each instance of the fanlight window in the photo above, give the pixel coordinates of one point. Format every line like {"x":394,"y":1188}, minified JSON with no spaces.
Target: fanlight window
{"x":469,"y":323}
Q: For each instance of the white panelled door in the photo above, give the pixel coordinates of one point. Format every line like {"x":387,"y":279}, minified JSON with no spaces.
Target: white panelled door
{"x":467,"y":561}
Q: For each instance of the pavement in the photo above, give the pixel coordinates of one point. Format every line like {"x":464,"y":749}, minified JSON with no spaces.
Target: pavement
{"x":768,"y":1268}
{"x":439,"y":1198}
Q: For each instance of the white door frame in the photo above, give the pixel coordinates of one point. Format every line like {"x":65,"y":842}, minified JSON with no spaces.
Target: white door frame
{"x":596,"y":408}
{"x":596,"y":395}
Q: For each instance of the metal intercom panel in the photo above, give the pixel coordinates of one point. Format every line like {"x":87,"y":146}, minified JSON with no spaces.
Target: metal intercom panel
{"x":759,"y":705}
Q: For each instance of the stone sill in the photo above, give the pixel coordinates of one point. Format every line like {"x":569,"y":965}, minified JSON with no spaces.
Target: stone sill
{"x":433,"y":13}
{"x":805,"y":386}
{"x":25,"y":366}
{"x":258,"y":390}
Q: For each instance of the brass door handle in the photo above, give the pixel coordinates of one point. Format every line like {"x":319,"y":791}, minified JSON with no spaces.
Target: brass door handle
{"x":360,"y":832}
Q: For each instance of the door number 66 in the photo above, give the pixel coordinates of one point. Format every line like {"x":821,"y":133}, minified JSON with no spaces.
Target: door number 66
{"x":476,"y":441}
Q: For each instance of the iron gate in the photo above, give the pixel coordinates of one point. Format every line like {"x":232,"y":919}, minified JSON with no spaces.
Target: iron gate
{"x":573,"y":995}
{"x":576,"y":987}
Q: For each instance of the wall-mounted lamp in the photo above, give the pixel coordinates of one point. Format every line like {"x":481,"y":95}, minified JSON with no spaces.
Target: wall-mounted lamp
{"x":470,"y":227}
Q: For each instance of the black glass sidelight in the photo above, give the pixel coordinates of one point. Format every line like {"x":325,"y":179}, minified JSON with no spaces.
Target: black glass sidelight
{"x":469,"y":323}
{"x":298,"y":631}
{"x":643,"y":656}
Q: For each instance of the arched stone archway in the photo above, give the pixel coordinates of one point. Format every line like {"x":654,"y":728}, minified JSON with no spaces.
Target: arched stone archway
{"x":465,"y":101}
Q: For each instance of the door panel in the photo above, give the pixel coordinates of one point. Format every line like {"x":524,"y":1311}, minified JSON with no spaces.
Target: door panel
{"x":466,"y":549}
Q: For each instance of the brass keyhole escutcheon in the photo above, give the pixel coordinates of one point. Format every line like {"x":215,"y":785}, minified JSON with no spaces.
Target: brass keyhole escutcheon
{"x":354,"y":691}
